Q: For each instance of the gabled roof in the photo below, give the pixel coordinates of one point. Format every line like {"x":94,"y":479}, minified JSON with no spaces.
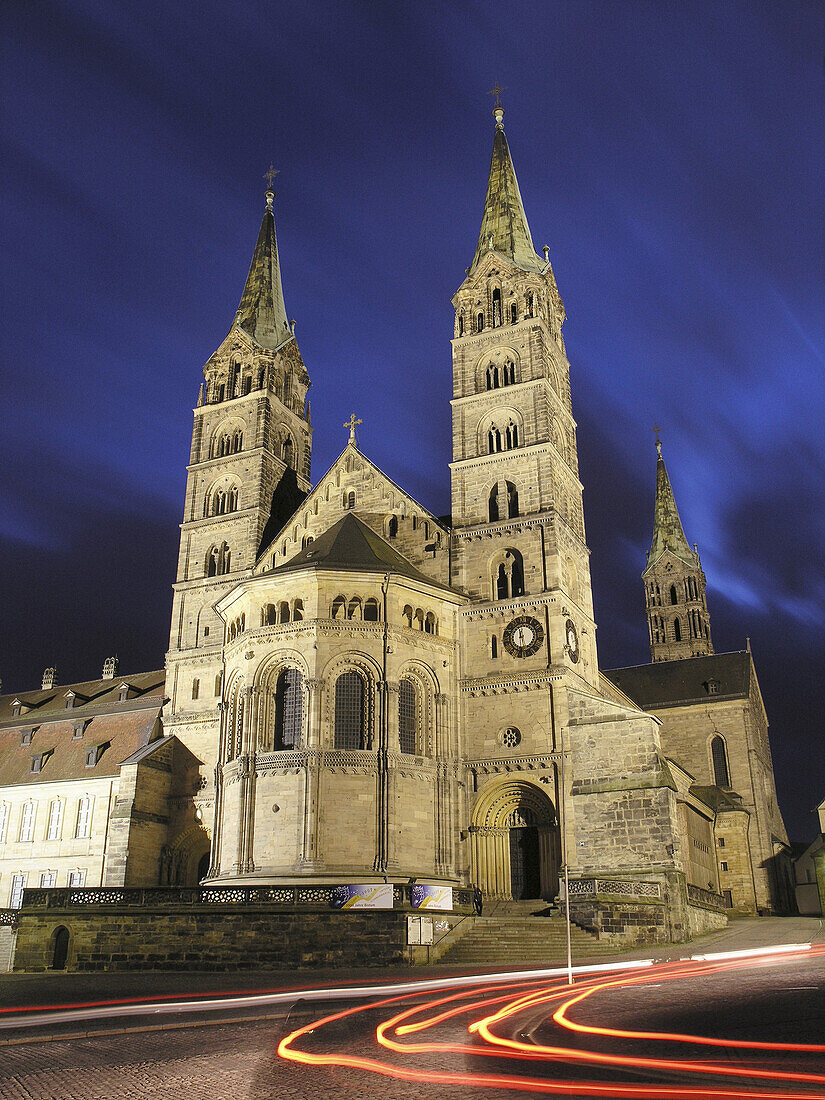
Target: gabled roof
{"x":350,"y":544}
{"x":671,"y":683}
{"x":50,"y":703}
{"x":668,"y":533}
{"x":262,"y":313}
{"x":718,"y":799}
{"x":504,"y":225}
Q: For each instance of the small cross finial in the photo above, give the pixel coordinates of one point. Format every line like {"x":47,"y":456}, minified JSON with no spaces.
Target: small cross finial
{"x":658,"y":441}
{"x":270,"y":174}
{"x":351,"y":423}
{"x":496,"y":91}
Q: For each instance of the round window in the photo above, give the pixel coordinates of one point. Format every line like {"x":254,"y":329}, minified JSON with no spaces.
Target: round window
{"x":510,"y":737}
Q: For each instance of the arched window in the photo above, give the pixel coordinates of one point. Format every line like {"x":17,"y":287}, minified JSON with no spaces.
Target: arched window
{"x":212,"y":561}
{"x":408,"y":616}
{"x":530,"y":304}
{"x":339,"y":607}
{"x":508,"y":580}
{"x":392,"y":527}
{"x":419,"y":619}
{"x":492,"y":377}
{"x":371,"y":611}
{"x":512,"y":435}
{"x":350,"y":711}
{"x":721,"y":775}
{"x":349,"y":499}
{"x":219,"y":503}
{"x":430,"y":625}
{"x":493,"y":509}
{"x":494,"y":440}
{"x":512,"y":500}
{"x":226,"y":559}
{"x":84,"y":815}
{"x":496,"y":307}
{"x":55,"y":819}
{"x":288,"y":451}
{"x":269,"y":615}
{"x":509,"y":373}
{"x":407,"y":716}
{"x":513,"y":313}
{"x":297,"y":610}
{"x":288,"y":709}
{"x":217,"y":685}
{"x":461,"y":324}
{"x":196,"y":688}
{"x":354,"y":610}
{"x":287,"y":387}
{"x":60,"y":949}
{"x":237,"y":440}
{"x":673,"y":597}
{"x":479,"y":322}
{"x":677,"y":630}
{"x":232,"y":499}
{"x":283,"y":612}
{"x":494,"y":647}
{"x":247,"y":385}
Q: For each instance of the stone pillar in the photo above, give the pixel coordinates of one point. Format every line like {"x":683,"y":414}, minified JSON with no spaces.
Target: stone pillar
{"x":314,"y":693}
{"x":393,"y":734}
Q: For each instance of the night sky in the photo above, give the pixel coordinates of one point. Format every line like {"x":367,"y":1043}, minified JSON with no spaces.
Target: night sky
{"x":671,"y":154}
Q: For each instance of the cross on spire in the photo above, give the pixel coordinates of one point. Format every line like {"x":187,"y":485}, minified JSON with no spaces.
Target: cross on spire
{"x":496,"y":91}
{"x":270,"y":174}
{"x":658,"y":441}
{"x":353,"y":420}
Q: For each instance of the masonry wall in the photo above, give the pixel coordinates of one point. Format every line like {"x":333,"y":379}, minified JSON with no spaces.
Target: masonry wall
{"x":212,"y":939}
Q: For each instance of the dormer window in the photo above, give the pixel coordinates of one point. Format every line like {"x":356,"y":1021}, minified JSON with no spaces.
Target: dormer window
{"x":26,"y":736}
{"x":70,"y":698}
{"x":79,"y":730}
{"x":123,"y":693}
{"x":18,"y":707}
{"x":39,"y":761}
{"x":711,"y":687}
{"x":94,"y":754}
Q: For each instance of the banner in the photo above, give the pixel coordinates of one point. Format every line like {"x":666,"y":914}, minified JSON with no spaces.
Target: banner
{"x":371,"y":895}
{"x":432,"y":897}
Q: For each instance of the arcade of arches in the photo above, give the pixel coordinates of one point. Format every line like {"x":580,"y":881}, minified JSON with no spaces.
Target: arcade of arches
{"x":515,"y":842}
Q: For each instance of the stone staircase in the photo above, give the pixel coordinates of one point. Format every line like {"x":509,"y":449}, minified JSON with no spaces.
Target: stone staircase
{"x":516,"y":932}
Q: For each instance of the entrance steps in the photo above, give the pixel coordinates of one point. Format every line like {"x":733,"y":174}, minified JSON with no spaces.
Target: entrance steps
{"x":515,"y":932}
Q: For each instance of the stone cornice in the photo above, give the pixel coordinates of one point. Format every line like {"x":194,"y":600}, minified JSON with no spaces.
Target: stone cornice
{"x":515,"y":763}
{"x":505,"y":684}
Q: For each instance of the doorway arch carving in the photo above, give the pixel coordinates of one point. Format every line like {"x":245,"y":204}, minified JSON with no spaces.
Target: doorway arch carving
{"x":515,"y":842}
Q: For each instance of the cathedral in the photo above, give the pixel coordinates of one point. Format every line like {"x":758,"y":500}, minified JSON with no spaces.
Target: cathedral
{"x":357,"y":690}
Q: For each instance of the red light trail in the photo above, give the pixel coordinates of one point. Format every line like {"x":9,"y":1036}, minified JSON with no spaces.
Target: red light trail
{"x":488,"y":1008}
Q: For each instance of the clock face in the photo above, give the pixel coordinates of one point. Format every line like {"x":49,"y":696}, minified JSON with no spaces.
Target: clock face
{"x":523,"y":636}
{"x":572,"y":640}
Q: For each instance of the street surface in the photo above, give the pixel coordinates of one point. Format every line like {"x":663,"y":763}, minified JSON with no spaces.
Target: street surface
{"x":417,"y":1045}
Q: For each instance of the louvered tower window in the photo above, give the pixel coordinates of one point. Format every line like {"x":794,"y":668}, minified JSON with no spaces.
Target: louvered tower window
{"x":289,"y":711}
{"x":721,"y":776}
{"x":349,"y":711}
{"x":407,"y":716}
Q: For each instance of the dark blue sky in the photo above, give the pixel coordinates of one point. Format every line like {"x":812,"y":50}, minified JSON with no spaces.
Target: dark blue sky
{"x":671,"y":155}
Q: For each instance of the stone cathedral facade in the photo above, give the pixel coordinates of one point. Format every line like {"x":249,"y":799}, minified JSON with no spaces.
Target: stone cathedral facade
{"x":363,"y":691}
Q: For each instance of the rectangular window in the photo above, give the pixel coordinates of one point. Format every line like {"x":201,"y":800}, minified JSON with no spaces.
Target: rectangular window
{"x":27,"y":822}
{"x":720,"y":841}
{"x":48,"y":879}
{"x":77,"y":878}
{"x":55,"y":820}
{"x":18,"y":883}
{"x":723,"y":866}
{"x":84,"y":813}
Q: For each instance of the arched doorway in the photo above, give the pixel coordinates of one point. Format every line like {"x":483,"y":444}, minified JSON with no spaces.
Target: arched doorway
{"x":515,"y":842}
{"x":60,"y":948}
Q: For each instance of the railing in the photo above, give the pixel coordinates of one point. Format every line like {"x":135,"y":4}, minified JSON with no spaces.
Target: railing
{"x":9,"y":917}
{"x":173,"y":897}
{"x":706,"y":898}
{"x":590,"y":887}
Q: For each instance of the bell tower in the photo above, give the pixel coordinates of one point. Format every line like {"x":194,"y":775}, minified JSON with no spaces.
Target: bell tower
{"x":677,"y":609}
{"x":519,"y":541}
{"x":249,"y":468}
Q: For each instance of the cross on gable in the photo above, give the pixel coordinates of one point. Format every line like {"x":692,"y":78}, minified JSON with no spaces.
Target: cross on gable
{"x":353,"y":420}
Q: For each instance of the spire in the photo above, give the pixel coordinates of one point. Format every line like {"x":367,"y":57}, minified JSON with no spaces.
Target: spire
{"x":668,"y":533}
{"x":262,"y":313}
{"x":504,"y":225}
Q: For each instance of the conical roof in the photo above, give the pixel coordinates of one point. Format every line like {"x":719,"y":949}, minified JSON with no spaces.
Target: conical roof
{"x":504,"y":225}
{"x":668,"y":533}
{"x":351,"y":544}
{"x":262,"y":313}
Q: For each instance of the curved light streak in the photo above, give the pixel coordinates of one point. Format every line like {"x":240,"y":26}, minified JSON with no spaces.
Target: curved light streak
{"x":409,"y":1032}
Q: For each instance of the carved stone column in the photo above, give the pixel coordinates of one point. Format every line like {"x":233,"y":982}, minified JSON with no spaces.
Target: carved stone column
{"x":313,"y":695}
{"x":393,"y":734}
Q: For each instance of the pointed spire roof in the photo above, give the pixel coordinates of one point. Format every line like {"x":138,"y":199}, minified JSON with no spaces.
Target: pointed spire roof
{"x":668,"y":533}
{"x":504,"y":225}
{"x":262,"y":313}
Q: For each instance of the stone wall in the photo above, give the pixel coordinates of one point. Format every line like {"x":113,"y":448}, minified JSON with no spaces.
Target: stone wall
{"x":210,"y":938}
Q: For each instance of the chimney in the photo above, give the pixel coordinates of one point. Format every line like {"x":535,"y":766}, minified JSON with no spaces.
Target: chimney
{"x":110,"y":667}
{"x":49,"y":678}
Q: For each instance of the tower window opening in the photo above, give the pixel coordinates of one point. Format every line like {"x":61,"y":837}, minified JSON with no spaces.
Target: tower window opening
{"x":407,"y":716}
{"x":297,"y":611}
{"x":349,"y":500}
{"x":430,"y":624}
{"x":674,"y":599}
{"x":719,"y":756}
{"x":479,"y":322}
{"x":218,"y":685}
{"x":512,"y":435}
{"x":371,"y":613}
{"x":508,"y":580}
{"x":237,"y":440}
{"x":677,"y":630}
{"x":350,"y":711}
{"x":283,"y":612}
{"x":196,"y":688}
{"x":339,"y":606}
{"x":494,"y":440}
{"x":494,"y":647}
{"x":513,"y":313}
{"x":407,"y":615}
{"x":288,"y":452}
{"x":530,"y":305}
{"x":354,"y":609}
{"x":288,"y":709}
{"x":496,"y":307}
{"x":419,"y":619}
{"x":509,"y":373}
{"x":247,"y":385}
{"x":461,"y":324}
{"x":392,"y":527}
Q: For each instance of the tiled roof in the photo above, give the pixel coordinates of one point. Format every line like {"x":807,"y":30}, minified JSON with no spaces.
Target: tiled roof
{"x":351,"y":544}
{"x":670,"y":683}
{"x":118,"y":729}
